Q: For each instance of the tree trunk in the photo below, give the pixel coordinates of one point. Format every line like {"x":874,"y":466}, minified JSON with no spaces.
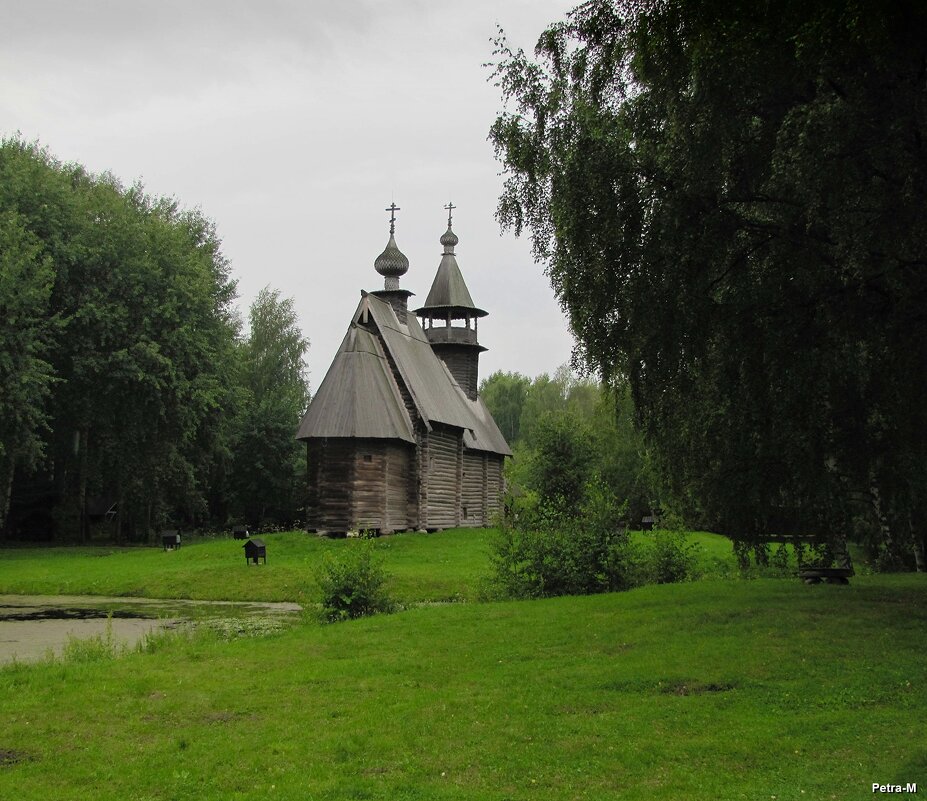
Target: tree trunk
{"x":82,"y":485}
{"x":919,"y":560}
{"x":6,"y":489}
{"x":841,"y":552}
{"x":119,"y":506}
{"x":875,"y":495}
{"x":917,"y":539}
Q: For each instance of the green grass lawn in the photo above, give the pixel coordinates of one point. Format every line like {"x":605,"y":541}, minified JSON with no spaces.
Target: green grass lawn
{"x":715,"y":689}
{"x":764,"y":689}
{"x":446,"y":566}
{"x":424,"y":567}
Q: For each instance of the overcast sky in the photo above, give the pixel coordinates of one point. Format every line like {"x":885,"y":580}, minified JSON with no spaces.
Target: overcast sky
{"x":293,"y":125}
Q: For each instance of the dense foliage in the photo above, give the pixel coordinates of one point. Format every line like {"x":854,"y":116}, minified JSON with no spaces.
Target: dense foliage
{"x":572,"y":440}
{"x":729,"y":200}
{"x":580,"y":478}
{"x":125,"y":385}
{"x":545,"y":550}
{"x":352,"y":585}
{"x":268,"y":461}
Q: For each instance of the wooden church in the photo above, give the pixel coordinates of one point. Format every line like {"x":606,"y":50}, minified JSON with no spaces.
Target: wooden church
{"x":396,"y":436}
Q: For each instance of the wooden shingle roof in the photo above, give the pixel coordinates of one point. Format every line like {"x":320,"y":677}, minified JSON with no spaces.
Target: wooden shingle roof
{"x":437,"y":397}
{"x":485,"y":434}
{"x":449,"y":290}
{"x":358,"y":396}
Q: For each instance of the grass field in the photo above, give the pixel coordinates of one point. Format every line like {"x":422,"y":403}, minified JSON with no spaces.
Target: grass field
{"x":434,"y":567}
{"x":717,"y":689}
{"x":446,"y":566}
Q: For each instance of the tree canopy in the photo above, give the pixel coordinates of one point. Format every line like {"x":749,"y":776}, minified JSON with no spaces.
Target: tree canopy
{"x":729,"y":202}
{"x":267,"y":456}
{"x":124,"y":382}
{"x":573,"y":441}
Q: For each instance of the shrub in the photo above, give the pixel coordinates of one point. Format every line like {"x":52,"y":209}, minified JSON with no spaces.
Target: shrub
{"x":669,"y":559}
{"x":542,"y":551}
{"x":566,"y":560}
{"x":352,"y":585}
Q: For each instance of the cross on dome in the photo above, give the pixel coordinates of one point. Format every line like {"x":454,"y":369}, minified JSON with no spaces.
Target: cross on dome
{"x":392,"y":208}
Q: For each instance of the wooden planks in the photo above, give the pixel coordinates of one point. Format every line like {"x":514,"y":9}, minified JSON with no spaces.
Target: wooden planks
{"x":399,"y":460}
{"x":328,"y":502}
{"x":442,"y":478}
{"x":494,"y":485}
{"x":473,"y":485}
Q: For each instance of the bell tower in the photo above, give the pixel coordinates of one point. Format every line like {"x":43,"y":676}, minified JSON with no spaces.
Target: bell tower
{"x":449,"y":317}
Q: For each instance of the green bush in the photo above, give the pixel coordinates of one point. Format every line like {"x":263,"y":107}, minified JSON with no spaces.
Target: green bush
{"x":352,"y":585}
{"x":541,"y":551}
{"x":669,"y":559}
{"x":531,"y":563}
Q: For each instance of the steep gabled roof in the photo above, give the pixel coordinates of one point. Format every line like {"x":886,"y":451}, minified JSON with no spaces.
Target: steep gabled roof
{"x":437,"y":397}
{"x":358,"y":396}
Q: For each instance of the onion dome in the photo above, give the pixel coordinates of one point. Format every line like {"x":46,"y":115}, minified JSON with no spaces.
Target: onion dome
{"x":449,"y":240}
{"x":392,"y":262}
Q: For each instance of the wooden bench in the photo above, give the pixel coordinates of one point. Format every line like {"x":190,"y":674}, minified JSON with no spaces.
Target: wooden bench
{"x":830,"y":575}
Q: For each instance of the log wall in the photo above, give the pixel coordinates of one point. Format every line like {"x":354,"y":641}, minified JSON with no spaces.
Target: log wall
{"x":463,"y":362}
{"x":359,"y":484}
{"x":473,"y":486}
{"x":494,"y":486}
{"x":330,"y":473}
{"x":443,"y":456}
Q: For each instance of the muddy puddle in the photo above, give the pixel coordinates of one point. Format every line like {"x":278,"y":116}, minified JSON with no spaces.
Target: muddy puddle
{"x":32,"y":626}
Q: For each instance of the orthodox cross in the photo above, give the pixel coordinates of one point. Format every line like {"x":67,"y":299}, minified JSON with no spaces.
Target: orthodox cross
{"x":392,"y":208}
{"x":450,"y":210}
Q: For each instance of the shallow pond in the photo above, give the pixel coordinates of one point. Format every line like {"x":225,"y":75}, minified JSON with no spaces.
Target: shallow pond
{"x":32,"y":626}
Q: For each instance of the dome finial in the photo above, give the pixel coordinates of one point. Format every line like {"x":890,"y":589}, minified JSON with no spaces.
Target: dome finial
{"x":449,"y":238}
{"x":392,"y":208}
{"x":392,"y":262}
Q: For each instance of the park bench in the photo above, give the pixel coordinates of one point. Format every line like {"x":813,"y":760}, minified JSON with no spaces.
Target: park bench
{"x":815,"y":575}
{"x":831,"y":575}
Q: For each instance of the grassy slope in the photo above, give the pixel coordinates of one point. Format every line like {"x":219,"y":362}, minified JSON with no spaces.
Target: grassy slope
{"x":433,"y":567}
{"x":712,"y":690}
{"x":424,"y":567}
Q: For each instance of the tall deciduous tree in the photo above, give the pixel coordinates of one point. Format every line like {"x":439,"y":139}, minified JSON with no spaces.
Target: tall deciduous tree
{"x":729,"y":199}
{"x":505,"y":394}
{"x":268,"y":458}
{"x":141,"y":347}
{"x":25,"y":331}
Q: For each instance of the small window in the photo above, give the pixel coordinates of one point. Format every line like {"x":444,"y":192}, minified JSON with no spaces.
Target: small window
{"x":465,"y":513}
{"x":368,"y":457}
